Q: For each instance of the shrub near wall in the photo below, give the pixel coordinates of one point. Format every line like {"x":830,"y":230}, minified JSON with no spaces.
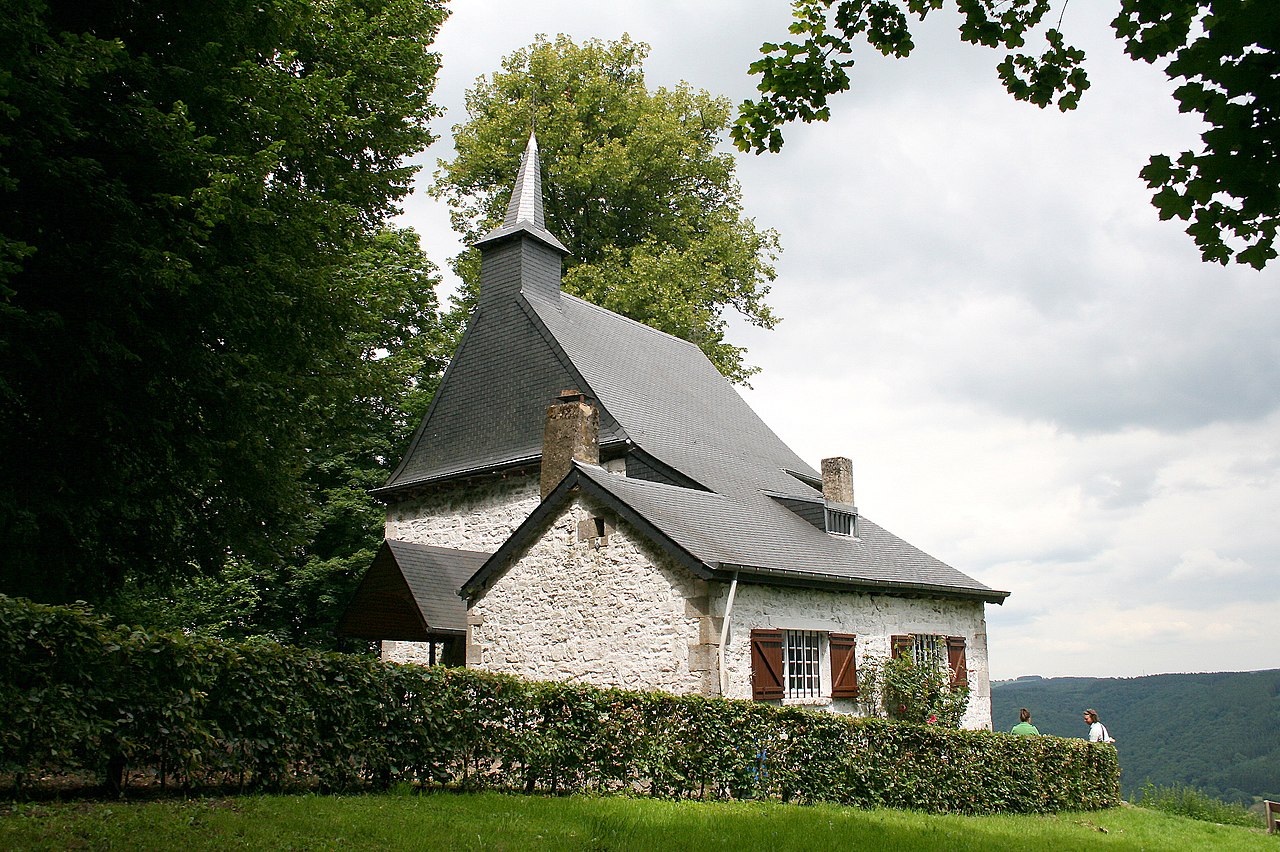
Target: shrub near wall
{"x":80,"y":696}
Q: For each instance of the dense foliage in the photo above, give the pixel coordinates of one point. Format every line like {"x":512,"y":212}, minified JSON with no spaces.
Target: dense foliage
{"x":183,"y":189}
{"x":1222,"y":53}
{"x":908,"y":691}
{"x":78,"y":695}
{"x":1219,"y":733}
{"x":635,"y":188}
{"x":297,"y":593}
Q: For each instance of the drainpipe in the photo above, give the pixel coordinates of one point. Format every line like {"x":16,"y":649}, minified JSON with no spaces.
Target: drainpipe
{"x":724,"y":628}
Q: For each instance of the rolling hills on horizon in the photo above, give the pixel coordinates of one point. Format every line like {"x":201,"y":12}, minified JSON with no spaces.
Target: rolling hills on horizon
{"x":1218,"y":732}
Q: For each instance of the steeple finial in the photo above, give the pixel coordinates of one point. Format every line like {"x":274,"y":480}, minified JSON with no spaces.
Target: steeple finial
{"x":526,"y":196}
{"x":525,"y":213}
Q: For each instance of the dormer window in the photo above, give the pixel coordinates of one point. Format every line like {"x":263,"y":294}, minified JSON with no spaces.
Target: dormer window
{"x":840,"y":522}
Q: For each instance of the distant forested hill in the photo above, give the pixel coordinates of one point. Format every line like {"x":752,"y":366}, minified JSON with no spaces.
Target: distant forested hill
{"x":1216,"y":732}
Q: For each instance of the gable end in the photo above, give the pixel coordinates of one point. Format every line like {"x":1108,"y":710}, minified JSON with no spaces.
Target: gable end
{"x":537,"y":522}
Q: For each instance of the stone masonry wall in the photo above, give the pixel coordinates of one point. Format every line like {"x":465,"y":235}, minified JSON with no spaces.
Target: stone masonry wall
{"x":872,"y":618}
{"x":477,"y":514}
{"x":474,"y":515}
{"x":610,"y":612}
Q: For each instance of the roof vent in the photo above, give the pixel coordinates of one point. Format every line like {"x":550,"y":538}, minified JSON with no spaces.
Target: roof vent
{"x":840,"y":522}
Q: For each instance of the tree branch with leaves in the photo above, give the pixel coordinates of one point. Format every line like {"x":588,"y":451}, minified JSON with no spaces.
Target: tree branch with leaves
{"x":1222,"y":53}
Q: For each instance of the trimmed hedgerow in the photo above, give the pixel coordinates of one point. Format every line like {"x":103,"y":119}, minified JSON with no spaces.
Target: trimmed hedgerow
{"x":80,"y":696}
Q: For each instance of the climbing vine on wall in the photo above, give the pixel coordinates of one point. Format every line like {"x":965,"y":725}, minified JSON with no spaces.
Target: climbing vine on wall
{"x":908,"y":691}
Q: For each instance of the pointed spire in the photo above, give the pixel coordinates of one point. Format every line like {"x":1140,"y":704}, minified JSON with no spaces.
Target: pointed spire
{"x":526,"y":196}
{"x":525,"y":212}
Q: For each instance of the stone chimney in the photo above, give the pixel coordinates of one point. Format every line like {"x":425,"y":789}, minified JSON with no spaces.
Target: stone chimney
{"x":572,"y":433}
{"x":837,"y":480}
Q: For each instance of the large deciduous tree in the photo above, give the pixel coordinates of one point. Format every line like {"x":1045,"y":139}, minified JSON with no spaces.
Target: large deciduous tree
{"x":635,"y":188}
{"x":296,"y":594}
{"x":1224,"y":54}
{"x":183,"y":187}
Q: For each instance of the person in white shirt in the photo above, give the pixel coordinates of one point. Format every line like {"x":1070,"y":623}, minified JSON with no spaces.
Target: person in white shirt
{"x":1097,"y":731}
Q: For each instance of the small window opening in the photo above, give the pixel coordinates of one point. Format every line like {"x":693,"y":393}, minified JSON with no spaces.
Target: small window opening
{"x":595,"y":531}
{"x":927,"y":649}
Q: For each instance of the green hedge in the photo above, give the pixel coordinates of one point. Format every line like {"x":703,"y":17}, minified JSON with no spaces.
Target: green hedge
{"x":78,"y":696}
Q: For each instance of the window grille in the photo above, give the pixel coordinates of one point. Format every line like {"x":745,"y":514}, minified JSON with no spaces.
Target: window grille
{"x":927,"y":650}
{"x":802,"y":662}
{"x":838,"y":522}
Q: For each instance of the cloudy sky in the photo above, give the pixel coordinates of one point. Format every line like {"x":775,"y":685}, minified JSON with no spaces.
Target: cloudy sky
{"x":1037,"y":380}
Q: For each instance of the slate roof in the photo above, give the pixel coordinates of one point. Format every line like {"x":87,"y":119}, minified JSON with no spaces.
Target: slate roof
{"x":655,"y":392}
{"x":661,"y":401}
{"x":410,"y":593}
{"x":525,"y":211}
{"x":669,"y":400}
{"x":717,"y":535}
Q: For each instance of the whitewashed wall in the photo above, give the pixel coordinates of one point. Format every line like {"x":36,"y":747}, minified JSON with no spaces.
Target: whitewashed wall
{"x":473,"y":515}
{"x":406,"y":652}
{"x":872,"y":618}
{"x":613,"y":615}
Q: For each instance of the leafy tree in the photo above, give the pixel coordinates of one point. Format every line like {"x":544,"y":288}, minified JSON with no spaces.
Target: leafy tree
{"x":1223,"y":53}
{"x":635,"y":188}
{"x":397,"y":354}
{"x":182,"y":189}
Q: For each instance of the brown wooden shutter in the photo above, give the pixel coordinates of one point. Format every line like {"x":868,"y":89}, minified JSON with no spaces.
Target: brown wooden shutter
{"x":766,"y":665}
{"x":899,"y":645}
{"x":844,"y":668}
{"x":956,"y":661}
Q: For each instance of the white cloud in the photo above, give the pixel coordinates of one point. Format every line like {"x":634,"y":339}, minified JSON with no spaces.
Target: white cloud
{"x":1204,"y":565}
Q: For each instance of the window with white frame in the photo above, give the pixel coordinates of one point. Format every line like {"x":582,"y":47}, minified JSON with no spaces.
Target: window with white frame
{"x":802,"y":663}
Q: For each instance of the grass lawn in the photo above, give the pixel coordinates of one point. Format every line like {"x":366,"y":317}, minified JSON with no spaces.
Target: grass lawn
{"x":492,"y":821}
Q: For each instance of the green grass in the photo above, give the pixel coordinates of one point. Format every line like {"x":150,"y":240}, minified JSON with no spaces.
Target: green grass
{"x":500,"y":822}
{"x":1190,"y":802}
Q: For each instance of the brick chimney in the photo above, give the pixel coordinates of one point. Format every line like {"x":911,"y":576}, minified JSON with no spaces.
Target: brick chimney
{"x":572,"y":433}
{"x":837,"y":480}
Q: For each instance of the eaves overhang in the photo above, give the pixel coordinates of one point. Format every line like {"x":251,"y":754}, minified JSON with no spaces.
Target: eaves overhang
{"x":808,"y":578}
{"x":382,"y":492}
{"x":509,"y":232}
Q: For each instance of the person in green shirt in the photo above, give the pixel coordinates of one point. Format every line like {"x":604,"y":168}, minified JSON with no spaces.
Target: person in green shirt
{"x":1025,"y":728}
